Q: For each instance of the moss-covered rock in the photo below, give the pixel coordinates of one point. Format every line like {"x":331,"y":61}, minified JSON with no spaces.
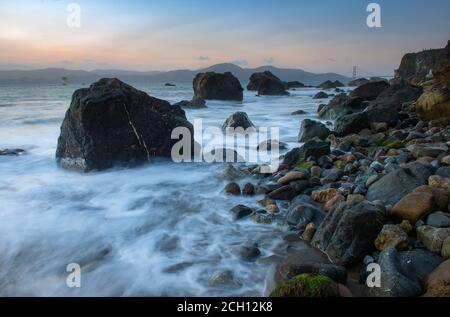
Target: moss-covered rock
{"x":307,"y":285}
{"x":434,"y":104}
{"x":304,"y":165}
{"x":393,"y":144}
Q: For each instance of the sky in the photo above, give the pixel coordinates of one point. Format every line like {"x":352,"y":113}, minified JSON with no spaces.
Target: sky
{"x":318,"y":36}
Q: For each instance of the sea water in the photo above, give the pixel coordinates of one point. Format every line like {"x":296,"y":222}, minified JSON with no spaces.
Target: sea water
{"x":158,"y":229}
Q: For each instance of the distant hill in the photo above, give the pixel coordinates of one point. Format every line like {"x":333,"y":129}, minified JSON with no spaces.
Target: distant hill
{"x":55,"y":75}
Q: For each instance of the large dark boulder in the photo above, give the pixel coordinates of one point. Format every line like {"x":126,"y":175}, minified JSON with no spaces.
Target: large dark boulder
{"x":396,"y":95}
{"x":387,"y":105}
{"x":383,"y":114}
{"x":238,"y":120}
{"x":270,"y":87}
{"x":403,"y":273}
{"x":348,"y":232}
{"x":310,"y":129}
{"x":214,"y":86}
{"x":341,"y":105}
{"x":394,"y":186}
{"x":351,"y":123}
{"x":256,"y":79}
{"x":370,"y":90}
{"x":328,"y":85}
{"x":267,"y":83}
{"x":312,"y":148}
{"x":111,"y":123}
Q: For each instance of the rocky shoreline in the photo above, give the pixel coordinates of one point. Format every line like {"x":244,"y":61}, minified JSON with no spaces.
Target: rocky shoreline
{"x":371,"y":192}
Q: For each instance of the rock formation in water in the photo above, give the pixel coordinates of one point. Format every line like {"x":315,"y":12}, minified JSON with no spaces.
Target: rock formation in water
{"x":215,"y":86}
{"x":111,"y":123}
{"x":267,"y":84}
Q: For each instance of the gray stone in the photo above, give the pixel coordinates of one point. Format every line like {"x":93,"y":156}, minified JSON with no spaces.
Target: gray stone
{"x":349,"y":230}
{"x":394,"y":186}
{"x":402,"y":273}
{"x":311,"y":129}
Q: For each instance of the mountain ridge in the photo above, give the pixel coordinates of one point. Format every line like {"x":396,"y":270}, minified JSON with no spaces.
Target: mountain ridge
{"x":55,"y":75}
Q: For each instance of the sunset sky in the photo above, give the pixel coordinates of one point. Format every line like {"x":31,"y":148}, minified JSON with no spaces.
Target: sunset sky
{"x":173,"y":34}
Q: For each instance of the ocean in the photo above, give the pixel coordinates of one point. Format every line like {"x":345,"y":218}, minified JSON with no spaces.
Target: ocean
{"x":162,"y":229}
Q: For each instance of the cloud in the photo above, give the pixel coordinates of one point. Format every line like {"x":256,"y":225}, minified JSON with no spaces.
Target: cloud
{"x":269,"y":60}
{"x":202,"y":58}
{"x":240,"y":62}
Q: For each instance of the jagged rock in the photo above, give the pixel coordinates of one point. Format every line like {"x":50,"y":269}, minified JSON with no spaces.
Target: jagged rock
{"x":111,"y":123}
{"x":370,"y":90}
{"x":349,"y":230}
{"x":352,"y":123}
{"x":341,"y":105}
{"x":417,"y":67}
{"x":310,"y":129}
{"x":238,"y":120}
{"x":396,"y":95}
{"x":214,"y":86}
{"x":397,"y":184}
